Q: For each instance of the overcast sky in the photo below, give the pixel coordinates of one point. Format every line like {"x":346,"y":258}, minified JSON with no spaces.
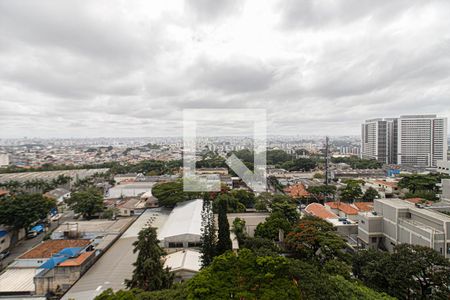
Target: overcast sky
{"x":129,"y":68}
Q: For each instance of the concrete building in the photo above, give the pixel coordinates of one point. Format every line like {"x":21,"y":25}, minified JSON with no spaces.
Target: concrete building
{"x":443,"y":166}
{"x":4,"y":160}
{"x":411,"y":140}
{"x":378,"y":140}
{"x":394,"y":221}
{"x":422,"y":140}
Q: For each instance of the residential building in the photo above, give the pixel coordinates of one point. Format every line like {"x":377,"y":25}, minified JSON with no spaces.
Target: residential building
{"x":58,"y":194}
{"x":378,"y":140}
{"x":443,"y":166}
{"x":422,"y":140}
{"x":410,"y":140}
{"x":395,"y":221}
{"x":4,"y":160}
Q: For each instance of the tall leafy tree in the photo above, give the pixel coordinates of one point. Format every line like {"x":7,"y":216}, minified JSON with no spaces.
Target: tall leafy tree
{"x":322,"y":193}
{"x":149,"y":273}
{"x":370,"y":194}
{"x":87,"y":202}
{"x":224,"y":241}
{"x":314,"y":238}
{"x":208,"y":237}
{"x":411,"y":272}
{"x":21,"y":210}
{"x":351,"y":192}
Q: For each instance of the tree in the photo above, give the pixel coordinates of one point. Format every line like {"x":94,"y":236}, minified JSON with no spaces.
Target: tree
{"x":239,"y":230}
{"x":244,"y":276}
{"x":300,"y":164}
{"x":314,"y":238}
{"x":322,"y":193}
{"x":208,"y":237}
{"x":224,"y":241}
{"x":420,"y":182}
{"x":149,"y":273}
{"x":170,"y":193}
{"x":22,"y":210}
{"x":177,"y":292}
{"x":271,"y":227}
{"x":87,"y":202}
{"x":370,"y":194}
{"x":245,"y":197}
{"x":351,"y":192}
{"x":411,"y":272}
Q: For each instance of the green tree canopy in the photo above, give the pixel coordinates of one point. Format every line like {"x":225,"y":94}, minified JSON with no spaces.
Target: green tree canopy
{"x":314,"y":238}
{"x":244,"y":276}
{"x":370,"y":194}
{"x":223,"y":237}
{"x":171,"y":193}
{"x":22,"y":210}
{"x":149,"y":273}
{"x":87,"y":202}
{"x":411,"y":272}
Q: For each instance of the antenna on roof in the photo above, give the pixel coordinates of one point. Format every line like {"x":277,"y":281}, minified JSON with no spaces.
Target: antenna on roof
{"x":327,"y":161}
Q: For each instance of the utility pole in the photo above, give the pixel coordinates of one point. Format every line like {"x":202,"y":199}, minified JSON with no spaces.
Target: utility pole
{"x":327,"y":162}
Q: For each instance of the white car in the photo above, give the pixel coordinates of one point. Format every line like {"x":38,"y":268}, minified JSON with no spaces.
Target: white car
{"x":56,"y":217}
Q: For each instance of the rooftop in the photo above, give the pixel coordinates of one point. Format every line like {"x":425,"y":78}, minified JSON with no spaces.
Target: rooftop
{"x":320,"y":211}
{"x":185,"y":218}
{"x":184,"y":260}
{"x":77,"y":261}
{"x":18,"y":280}
{"x":344,"y":207}
{"x":297,"y":190}
{"x":48,"y":248}
{"x":364,"y":206}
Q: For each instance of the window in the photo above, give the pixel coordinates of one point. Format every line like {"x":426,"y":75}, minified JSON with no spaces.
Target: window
{"x":194,"y":244}
{"x":176,"y":245}
{"x":374,"y":239}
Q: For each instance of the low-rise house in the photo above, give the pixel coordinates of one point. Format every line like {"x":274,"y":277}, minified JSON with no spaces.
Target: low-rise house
{"x":346,"y":227}
{"x":58,"y":194}
{"x":131,"y":207}
{"x":185,"y":264}
{"x":386,"y":189}
{"x":343,"y":210}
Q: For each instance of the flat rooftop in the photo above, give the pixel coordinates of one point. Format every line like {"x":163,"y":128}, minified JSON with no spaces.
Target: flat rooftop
{"x":48,"y":248}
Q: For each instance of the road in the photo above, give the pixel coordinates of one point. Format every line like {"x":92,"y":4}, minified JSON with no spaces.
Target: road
{"x":26,"y":244}
{"x":116,"y":265}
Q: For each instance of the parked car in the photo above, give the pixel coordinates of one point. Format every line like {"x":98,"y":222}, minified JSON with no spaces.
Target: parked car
{"x":56,"y":217}
{"x":35,"y":231}
{"x":4,"y":254}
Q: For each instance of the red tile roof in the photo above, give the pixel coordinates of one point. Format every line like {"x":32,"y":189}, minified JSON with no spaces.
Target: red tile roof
{"x":386,"y":183}
{"x":78,"y":261}
{"x":320,"y":211}
{"x":418,"y":200}
{"x":344,"y":207}
{"x":364,"y":206}
{"x":297,"y":191}
{"x":50,"y":247}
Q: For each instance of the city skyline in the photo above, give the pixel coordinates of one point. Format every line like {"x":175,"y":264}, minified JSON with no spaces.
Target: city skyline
{"x":95,"y":69}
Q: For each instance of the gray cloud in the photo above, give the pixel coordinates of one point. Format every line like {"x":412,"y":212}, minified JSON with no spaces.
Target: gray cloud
{"x":106,"y":68}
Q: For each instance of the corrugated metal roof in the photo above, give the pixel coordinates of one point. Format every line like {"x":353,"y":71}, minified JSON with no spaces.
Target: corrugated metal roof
{"x":185,"y":218}
{"x":18,"y":280}
{"x":184,"y":260}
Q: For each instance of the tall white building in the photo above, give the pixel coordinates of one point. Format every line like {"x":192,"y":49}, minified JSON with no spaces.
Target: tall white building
{"x":422,"y":140}
{"x":415,"y":140}
{"x":4,"y":160}
{"x":378,"y":140}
